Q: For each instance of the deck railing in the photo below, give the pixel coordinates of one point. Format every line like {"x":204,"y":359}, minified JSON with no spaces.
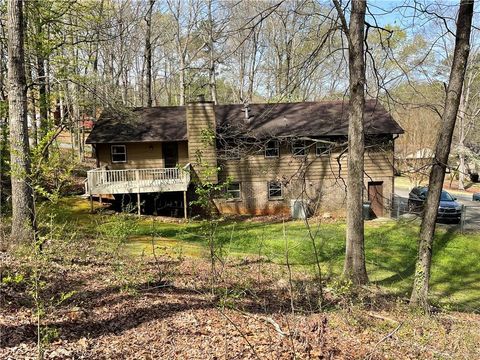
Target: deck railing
{"x":102,"y":181}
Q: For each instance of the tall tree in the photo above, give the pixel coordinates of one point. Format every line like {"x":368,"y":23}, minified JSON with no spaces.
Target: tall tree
{"x":148,"y":52}
{"x":186,"y":16}
{"x":22,"y":199}
{"x":354,"y":267}
{"x":419,"y":295}
{"x":212,"y":81}
{"x":468,"y":111}
{"x":40,"y":43}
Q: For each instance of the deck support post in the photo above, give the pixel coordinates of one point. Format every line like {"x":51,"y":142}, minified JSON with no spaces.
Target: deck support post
{"x":101,"y":200}
{"x":138,"y":204}
{"x":185,"y":205}
{"x":91,"y":204}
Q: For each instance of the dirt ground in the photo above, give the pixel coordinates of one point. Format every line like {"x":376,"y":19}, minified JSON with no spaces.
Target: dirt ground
{"x":177,"y":311}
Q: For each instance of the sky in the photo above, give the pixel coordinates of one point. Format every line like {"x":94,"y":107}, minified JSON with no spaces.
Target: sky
{"x":408,"y":14}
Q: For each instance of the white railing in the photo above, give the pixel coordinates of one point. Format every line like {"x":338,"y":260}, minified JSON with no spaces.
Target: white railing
{"x":142,"y":180}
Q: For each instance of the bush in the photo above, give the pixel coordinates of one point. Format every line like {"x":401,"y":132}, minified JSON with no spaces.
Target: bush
{"x":52,"y":174}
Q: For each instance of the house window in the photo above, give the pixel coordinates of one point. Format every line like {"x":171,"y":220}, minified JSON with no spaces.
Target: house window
{"x":272,"y":149}
{"x":119,"y":153}
{"x":233,"y":191}
{"x":275,"y":190}
{"x":322,"y":148}
{"x":230,"y":151}
{"x":299,"y":148}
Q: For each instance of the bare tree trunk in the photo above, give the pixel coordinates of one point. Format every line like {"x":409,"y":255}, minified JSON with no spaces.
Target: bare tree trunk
{"x":43,"y":102}
{"x":3,"y":150}
{"x":461,"y":142}
{"x":354,"y":267}
{"x":212,"y":77}
{"x":141,"y":85}
{"x":95,"y":66}
{"x":3,"y":132}
{"x":75,"y":98}
{"x":462,"y":113}
{"x":241,"y":74}
{"x":168,"y":84}
{"x":148,"y":53}
{"x":182,"y":81}
{"x":461,"y":171}
{"x":3,"y":170}
{"x":211,"y":41}
{"x":78,"y":121}
{"x":427,"y":230}
{"x":41,"y":75}
{"x":22,"y":195}
{"x":34,"y":130}
{"x":253,"y":65}
{"x":125,"y":84}
{"x":2,"y":67}
{"x":184,"y":36}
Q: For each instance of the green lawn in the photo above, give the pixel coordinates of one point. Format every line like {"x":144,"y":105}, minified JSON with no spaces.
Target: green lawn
{"x":390,"y":248}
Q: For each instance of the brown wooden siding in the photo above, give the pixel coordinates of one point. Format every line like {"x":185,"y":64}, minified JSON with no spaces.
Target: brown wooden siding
{"x":140,"y":155}
{"x":318,"y":177}
{"x":322,"y":195}
{"x":200,"y":118}
{"x":258,"y":168}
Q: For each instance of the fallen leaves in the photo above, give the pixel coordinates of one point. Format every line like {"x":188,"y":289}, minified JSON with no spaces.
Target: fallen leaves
{"x":185,"y":321}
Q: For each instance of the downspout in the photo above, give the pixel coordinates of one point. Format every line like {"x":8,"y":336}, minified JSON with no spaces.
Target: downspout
{"x":94,"y":148}
{"x":395,"y":137}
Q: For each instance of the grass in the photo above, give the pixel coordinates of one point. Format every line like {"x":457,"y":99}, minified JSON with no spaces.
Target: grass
{"x":390,"y":247}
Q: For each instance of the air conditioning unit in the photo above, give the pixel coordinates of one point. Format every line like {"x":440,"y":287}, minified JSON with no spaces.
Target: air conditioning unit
{"x":298,"y":209}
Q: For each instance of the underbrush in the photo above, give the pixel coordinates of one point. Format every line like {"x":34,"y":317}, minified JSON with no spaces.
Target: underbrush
{"x":391,"y":247}
{"x":84,"y":265}
{"x":94,"y":310}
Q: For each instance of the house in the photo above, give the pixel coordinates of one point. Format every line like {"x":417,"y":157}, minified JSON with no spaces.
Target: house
{"x":416,"y":160}
{"x":269,"y":156}
{"x":415,"y":165}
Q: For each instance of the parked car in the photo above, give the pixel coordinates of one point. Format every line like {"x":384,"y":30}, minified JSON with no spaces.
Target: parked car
{"x":476,"y":196}
{"x":448,"y":209}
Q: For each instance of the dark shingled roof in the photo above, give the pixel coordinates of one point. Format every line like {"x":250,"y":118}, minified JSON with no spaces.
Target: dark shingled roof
{"x":168,"y":123}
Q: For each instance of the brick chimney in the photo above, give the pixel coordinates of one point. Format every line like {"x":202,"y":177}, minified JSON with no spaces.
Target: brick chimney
{"x":201,"y":132}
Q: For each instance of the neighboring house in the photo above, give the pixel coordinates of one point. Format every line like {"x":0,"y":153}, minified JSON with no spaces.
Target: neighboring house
{"x":416,"y":159}
{"x":415,"y":165}
{"x":425,"y":154}
{"x":267,"y":154}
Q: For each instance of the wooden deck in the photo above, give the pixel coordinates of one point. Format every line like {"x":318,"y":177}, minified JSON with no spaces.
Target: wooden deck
{"x":100,"y":181}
